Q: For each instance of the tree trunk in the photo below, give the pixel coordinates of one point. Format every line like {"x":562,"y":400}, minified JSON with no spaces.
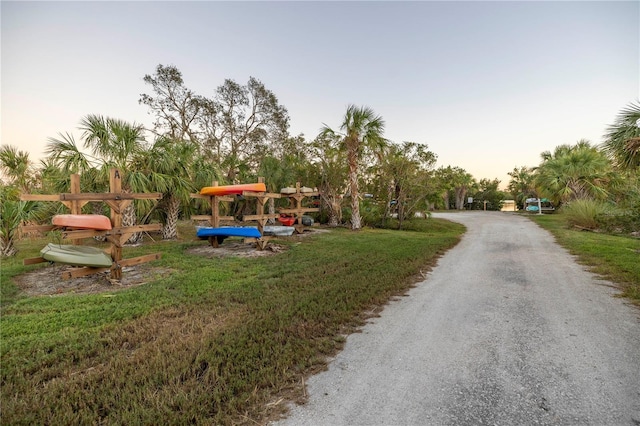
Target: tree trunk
{"x":445,"y":199}
{"x":460,"y":194}
{"x":96,"y":208}
{"x":271,"y":210}
{"x":129,"y":218}
{"x":170,"y":228}
{"x":7,"y":248}
{"x":356,"y":222}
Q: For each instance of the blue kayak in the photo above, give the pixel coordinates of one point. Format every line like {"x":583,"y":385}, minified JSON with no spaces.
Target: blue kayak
{"x":228,"y":231}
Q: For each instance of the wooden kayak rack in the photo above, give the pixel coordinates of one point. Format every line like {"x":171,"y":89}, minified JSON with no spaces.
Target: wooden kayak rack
{"x":117,"y":236}
{"x":261,"y":218}
{"x":296,"y":208}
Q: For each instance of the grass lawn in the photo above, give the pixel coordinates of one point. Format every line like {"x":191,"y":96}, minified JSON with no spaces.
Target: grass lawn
{"x":214,"y":341}
{"x":616,"y":258}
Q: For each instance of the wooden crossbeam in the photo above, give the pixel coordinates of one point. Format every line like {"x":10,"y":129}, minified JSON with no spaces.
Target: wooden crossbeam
{"x":81,"y":272}
{"x":259,"y":216}
{"x":77,"y":234}
{"x":33,"y":260}
{"x":110,"y":196}
{"x":37,"y":228}
{"x":205,"y":197}
{"x":208,"y":217}
{"x":261,"y":194}
{"x":39,"y":197}
{"x":140,"y":259}
{"x":300,"y":210}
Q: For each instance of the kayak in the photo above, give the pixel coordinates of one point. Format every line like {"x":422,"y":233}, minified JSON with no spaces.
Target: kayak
{"x":233,"y":189}
{"x":279,"y":231}
{"x":286,"y":219}
{"x":76,"y":255}
{"x":228,"y":231}
{"x":84,"y":221}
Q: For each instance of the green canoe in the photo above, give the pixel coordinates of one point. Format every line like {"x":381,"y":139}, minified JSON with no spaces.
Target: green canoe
{"x":76,"y":255}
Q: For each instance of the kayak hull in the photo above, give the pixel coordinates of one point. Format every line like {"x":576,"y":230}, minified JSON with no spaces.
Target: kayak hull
{"x":228,"y":231}
{"x":76,"y":255}
{"x":233,"y":189}
{"x":279,"y":231}
{"x":83,"y":221}
{"x":286,"y":220}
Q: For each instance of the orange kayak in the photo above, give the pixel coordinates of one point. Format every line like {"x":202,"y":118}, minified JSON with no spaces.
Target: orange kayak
{"x":84,"y":221}
{"x":233,"y":189}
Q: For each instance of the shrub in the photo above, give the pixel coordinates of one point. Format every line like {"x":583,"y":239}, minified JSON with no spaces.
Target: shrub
{"x":583,"y":213}
{"x":619,"y":222}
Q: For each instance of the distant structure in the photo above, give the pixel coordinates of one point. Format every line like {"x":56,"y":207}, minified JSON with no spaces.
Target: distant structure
{"x":509,"y":206}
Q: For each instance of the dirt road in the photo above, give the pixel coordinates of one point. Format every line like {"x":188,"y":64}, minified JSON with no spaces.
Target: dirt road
{"x":506,"y":330}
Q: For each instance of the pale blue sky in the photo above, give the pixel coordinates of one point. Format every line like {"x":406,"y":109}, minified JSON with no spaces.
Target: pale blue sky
{"x":487,"y":85}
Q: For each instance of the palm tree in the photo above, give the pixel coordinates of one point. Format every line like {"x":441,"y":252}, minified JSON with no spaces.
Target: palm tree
{"x":463,"y":183}
{"x":168,"y":166}
{"x":622,"y":140}
{"x":113,"y":143}
{"x":574,"y":172}
{"x":360,"y":129}
{"x":117,"y":143}
{"x":14,"y":213}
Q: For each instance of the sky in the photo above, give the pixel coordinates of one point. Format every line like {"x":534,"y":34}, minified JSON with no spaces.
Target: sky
{"x":488,"y":86}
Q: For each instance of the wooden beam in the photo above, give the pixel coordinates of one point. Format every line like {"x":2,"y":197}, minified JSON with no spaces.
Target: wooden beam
{"x":207,"y":217}
{"x":78,"y":234}
{"x":33,"y":260}
{"x":39,"y":197}
{"x":81,"y":272}
{"x":110,"y":196}
{"x":37,"y":228}
{"x":206,"y":197}
{"x":261,"y":194}
{"x":259,"y":216}
{"x":301,"y":210}
{"x":140,"y":259}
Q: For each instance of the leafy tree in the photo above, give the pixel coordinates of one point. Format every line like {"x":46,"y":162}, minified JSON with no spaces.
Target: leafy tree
{"x":330,"y":161}
{"x":443,"y":177}
{"x":622,"y":140}
{"x":360,"y":130}
{"x":241,"y":124}
{"x":176,"y":108}
{"x":488,"y":195}
{"x":521,"y":185}
{"x":17,"y":168}
{"x":574,"y":172}
{"x":406,"y":171}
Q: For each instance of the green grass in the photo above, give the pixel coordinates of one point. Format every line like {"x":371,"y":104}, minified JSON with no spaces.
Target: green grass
{"x":213,"y":342}
{"x":614,"y":257}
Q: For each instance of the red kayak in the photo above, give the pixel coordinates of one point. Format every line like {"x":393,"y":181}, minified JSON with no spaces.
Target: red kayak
{"x":232,"y":189}
{"x":82,"y":221}
{"x":286,"y":220}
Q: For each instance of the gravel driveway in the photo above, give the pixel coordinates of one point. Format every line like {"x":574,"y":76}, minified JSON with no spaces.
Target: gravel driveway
{"x":507,"y":330}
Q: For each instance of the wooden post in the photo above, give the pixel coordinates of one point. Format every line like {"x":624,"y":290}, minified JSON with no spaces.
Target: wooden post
{"x":115,"y":186}
{"x":74,"y":205}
